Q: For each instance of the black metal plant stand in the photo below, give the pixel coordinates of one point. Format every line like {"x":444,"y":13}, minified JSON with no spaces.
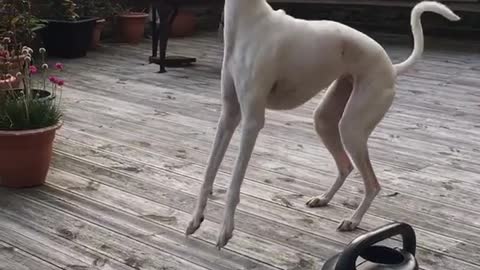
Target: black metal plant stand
{"x":166,"y":10}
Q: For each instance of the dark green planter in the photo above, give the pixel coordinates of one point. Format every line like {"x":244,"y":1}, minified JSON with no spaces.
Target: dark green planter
{"x":38,"y":95}
{"x":68,"y":39}
{"x":37,"y":41}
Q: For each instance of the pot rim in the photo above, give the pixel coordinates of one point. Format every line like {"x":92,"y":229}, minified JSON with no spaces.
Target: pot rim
{"x":35,"y":89}
{"x":5,"y":133}
{"x":133,"y":15}
{"x":78,"y":21}
{"x":21,"y":89}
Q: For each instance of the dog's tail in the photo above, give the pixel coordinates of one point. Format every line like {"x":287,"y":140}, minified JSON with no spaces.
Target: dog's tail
{"x":418,"y":10}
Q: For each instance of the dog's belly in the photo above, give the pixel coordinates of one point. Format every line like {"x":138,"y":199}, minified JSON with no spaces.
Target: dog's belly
{"x":284,"y":96}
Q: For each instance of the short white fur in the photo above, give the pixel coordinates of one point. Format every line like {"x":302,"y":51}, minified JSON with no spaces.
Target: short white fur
{"x":274,"y":61}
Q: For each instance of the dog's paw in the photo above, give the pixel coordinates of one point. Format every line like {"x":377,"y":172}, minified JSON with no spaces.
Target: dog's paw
{"x":226,"y":233}
{"x":319,"y":201}
{"x":193,"y":225}
{"x":347,"y":225}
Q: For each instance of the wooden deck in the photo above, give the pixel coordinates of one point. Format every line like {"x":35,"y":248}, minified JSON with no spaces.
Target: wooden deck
{"x":130,"y":158}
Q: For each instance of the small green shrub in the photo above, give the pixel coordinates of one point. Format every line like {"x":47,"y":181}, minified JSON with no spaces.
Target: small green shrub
{"x":31,"y":98}
{"x":16,"y":16}
{"x":62,"y":10}
{"x":19,"y":112}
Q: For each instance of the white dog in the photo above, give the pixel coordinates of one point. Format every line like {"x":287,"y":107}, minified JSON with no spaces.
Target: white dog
{"x":274,"y":61}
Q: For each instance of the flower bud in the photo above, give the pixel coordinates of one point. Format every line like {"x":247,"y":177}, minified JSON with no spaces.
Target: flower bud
{"x":59,"y":66}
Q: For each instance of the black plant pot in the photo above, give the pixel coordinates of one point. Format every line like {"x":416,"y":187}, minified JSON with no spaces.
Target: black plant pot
{"x":37,"y":41}
{"x":69,"y":39}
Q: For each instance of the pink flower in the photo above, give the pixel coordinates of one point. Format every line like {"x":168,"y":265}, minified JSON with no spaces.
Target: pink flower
{"x":33,"y":69}
{"x":56,"y":81}
{"x":59,"y":66}
{"x":53,"y":79}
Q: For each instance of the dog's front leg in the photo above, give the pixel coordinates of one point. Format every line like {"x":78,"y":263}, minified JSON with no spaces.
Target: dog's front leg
{"x":253,"y":115}
{"x":228,"y":122}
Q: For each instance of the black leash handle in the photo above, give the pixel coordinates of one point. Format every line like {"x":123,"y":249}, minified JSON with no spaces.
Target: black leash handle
{"x":349,"y":256}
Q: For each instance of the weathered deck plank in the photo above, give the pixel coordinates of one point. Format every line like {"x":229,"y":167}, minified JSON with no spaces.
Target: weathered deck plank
{"x":307,"y":222}
{"x":170,"y":145}
{"x":115,"y":246}
{"x":13,"y":258}
{"x":130,"y":159}
{"x":53,"y":248}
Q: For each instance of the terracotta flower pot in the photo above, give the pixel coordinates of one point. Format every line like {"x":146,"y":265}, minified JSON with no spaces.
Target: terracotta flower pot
{"x":184,"y":24}
{"x":132,"y":27}
{"x":15,"y":65}
{"x":97,"y":33}
{"x":11,"y":83}
{"x":25,"y":156}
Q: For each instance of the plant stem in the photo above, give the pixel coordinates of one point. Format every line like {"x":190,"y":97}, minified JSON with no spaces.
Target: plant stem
{"x":27,"y":95}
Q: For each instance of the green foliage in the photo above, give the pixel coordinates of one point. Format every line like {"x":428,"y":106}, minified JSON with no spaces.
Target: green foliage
{"x":62,"y":10}
{"x":16,"y":17}
{"x":107,"y":8}
{"x":36,"y":103}
{"x":96,"y":8}
{"x":127,"y":6}
{"x":18,"y":112}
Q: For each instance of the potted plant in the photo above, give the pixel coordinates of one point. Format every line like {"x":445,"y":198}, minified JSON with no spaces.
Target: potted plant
{"x":16,"y":16}
{"x":29,"y":118}
{"x":18,"y":26}
{"x":97,"y":33}
{"x":10,"y":61}
{"x":184,"y":24}
{"x":130,"y":23}
{"x":68,"y":35}
{"x":103,"y":10}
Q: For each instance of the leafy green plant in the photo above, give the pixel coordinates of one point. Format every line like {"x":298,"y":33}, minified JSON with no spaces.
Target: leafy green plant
{"x":22,"y":113}
{"x":62,"y":10}
{"x":36,"y":104}
{"x":126,"y":6}
{"x":16,"y":16}
{"x":96,"y":8}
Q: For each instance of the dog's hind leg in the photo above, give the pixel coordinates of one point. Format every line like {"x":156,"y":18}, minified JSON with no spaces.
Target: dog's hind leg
{"x":366,"y":108}
{"x":327,"y":118}
{"x":228,"y":122}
